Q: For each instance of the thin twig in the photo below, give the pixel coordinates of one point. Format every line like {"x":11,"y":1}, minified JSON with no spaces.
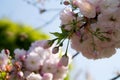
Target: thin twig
{"x":118,"y":76}
{"x":48,"y":22}
{"x":75,"y":55}
{"x":35,"y":5}
{"x":44,"y":10}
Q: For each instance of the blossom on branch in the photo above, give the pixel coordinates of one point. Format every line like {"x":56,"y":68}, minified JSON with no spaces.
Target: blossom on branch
{"x":92,"y":26}
{"x":37,"y":63}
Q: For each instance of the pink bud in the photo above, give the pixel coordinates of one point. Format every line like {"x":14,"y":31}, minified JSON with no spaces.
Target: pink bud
{"x":64,"y":60}
{"x":22,"y":57}
{"x":47,"y":44}
{"x":18,"y":65}
{"x":20,"y":74}
{"x":66,"y":2}
{"x":7,"y":52}
{"x":55,"y":50}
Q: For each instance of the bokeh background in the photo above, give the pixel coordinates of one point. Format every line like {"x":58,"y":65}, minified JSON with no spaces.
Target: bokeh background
{"x":44,"y":17}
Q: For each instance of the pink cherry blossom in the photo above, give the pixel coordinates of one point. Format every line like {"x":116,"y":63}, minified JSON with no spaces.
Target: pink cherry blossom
{"x":3,"y":60}
{"x":86,"y":8}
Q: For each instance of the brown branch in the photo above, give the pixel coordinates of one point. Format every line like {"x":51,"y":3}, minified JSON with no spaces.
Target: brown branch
{"x":33,"y":4}
{"x":48,"y":22}
{"x":75,"y":55}
{"x":116,"y":77}
{"x":41,"y":9}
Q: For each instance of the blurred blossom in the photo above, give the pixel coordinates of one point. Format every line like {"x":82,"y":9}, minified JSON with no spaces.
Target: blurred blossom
{"x":38,"y":64}
{"x":34,"y":76}
{"x":19,"y":53}
{"x":47,"y":76}
{"x":3,"y":60}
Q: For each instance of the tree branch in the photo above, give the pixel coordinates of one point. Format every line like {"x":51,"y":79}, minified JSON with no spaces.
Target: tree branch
{"x":75,"y":55}
{"x":118,"y":76}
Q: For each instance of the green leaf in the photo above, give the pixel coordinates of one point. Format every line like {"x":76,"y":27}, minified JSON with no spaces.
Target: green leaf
{"x":63,"y":30}
{"x":60,"y":36}
{"x":57,"y":34}
{"x":2,"y":75}
{"x":67,"y":77}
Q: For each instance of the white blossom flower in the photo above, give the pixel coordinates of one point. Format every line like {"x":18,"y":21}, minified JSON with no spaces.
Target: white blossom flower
{"x":49,"y":65}
{"x":43,"y":43}
{"x":33,"y":62}
{"x":3,"y":60}
{"x":86,"y":8}
{"x":111,"y":19}
{"x":43,"y":53}
{"x":108,"y":5}
{"x":34,"y":76}
{"x":93,"y":50}
{"x":19,"y":53}
{"x":26,"y":73}
{"x":67,"y":16}
{"x":84,"y":47}
{"x":101,"y":38}
{"x":47,"y":76}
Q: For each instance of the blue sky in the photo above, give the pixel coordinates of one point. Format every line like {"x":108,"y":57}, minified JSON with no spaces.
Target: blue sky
{"x":20,"y":11}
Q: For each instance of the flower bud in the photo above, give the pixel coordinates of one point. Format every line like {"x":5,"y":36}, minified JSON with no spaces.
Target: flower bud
{"x":7,"y":52}
{"x":66,"y":2}
{"x":55,"y":50}
{"x":47,"y":44}
{"x":18,"y":65}
{"x":64,"y":60}
{"x":23,"y":57}
{"x":20,"y":74}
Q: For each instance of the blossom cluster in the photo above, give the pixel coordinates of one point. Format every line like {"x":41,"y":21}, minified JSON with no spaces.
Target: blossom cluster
{"x":37,"y":63}
{"x":93,"y":26}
